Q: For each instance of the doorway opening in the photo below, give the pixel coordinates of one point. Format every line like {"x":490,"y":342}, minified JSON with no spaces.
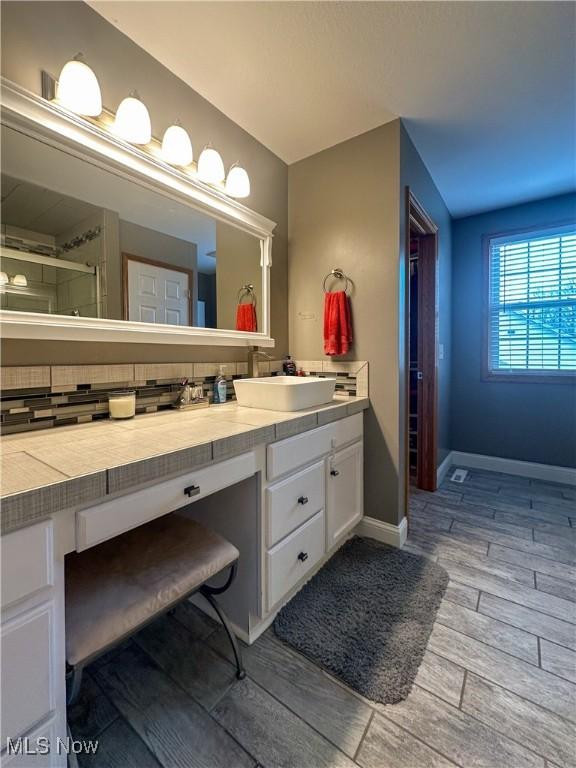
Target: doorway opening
{"x":421,"y":347}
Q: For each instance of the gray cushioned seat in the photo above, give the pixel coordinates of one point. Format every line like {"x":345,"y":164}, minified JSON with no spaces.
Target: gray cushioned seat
{"x":117,"y":586}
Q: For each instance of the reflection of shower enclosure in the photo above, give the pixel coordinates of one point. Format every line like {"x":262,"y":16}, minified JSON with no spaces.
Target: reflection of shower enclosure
{"x":53,"y":285}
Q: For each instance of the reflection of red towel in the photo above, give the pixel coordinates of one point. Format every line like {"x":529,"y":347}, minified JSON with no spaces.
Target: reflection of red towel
{"x":246,"y":318}
{"x":337,"y":323}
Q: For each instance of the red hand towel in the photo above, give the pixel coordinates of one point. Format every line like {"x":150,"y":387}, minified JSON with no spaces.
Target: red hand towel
{"x":246,"y":318}
{"x":337,"y":324}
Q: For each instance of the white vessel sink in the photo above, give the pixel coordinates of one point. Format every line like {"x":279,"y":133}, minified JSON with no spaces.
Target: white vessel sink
{"x":284,"y":393}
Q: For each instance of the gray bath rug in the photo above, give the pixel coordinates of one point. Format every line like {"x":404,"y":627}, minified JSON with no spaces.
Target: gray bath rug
{"x":366,"y":617}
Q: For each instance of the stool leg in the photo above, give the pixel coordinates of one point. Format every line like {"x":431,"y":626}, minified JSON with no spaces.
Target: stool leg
{"x":73,"y":684}
{"x":240,"y":671}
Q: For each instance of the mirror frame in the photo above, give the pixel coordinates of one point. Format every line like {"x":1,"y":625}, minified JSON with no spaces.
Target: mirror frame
{"x":45,"y":121}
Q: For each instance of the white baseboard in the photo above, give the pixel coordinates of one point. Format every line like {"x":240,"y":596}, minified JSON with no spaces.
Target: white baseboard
{"x":547,"y":472}
{"x":394,"y":535}
{"x":442,"y":470}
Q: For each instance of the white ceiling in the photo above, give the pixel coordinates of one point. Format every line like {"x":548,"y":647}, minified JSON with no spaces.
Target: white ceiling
{"x":487,"y":89}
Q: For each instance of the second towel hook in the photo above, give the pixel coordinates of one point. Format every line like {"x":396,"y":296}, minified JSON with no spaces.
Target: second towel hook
{"x":338,"y":274}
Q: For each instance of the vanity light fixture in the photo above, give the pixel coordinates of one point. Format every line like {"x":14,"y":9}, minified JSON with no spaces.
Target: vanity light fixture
{"x":237,"y":182}
{"x":78,"y":89}
{"x":176,"y":146}
{"x":19,"y":281}
{"x":4,"y":280}
{"x":132,"y":121}
{"x":210,"y":166}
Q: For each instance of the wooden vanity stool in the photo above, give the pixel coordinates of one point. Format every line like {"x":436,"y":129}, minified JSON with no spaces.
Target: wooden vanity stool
{"x":115,"y":588}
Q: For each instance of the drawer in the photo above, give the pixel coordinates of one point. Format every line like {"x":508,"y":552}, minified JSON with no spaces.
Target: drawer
{"x":294,"y":452}
{"x":290,"y":560}
{"x":291,"y":502}
{"x":97,"y":524}
{"x":27,"y":562}
{"x":347,"y":430}
{"x":28,"y":693}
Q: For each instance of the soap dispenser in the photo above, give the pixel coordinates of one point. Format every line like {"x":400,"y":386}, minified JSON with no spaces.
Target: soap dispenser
{"x":220,"y":386}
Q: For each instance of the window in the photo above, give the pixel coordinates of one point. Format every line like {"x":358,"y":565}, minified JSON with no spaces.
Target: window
{"x":532,"y":304}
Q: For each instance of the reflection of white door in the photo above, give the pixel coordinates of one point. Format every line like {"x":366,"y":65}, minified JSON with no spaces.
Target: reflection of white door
{"x":158,"y":294}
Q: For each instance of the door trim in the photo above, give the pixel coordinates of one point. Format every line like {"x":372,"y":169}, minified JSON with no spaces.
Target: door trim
{"x":419,"y":221}
{"x":128,"y":257}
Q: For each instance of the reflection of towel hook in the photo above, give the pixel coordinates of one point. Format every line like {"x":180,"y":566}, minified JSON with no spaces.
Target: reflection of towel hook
{"x":338,"y":274}
{"x":247,"y":290}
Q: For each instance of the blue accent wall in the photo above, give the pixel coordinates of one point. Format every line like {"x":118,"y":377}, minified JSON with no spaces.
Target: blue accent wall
{"x":526,"y":421}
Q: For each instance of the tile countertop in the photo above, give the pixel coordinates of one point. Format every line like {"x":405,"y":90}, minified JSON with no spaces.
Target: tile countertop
{"x":43,"y":472}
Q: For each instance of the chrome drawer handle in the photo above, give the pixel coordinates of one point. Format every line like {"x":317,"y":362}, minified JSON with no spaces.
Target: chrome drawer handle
{"x":192,"y":490}
{"x":334,"y":472}
{"x":303,"y":556}
{"x":303,"y":500}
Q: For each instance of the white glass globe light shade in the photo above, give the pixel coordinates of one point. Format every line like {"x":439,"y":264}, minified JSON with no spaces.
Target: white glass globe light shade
{"x":132,"y":121}
{"x":176,"y":146}
{"x":78,"y":89}
{"x":237,"y":182}
{"x":210,"y":166}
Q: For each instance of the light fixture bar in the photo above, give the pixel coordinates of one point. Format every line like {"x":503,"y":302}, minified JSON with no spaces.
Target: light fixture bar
{"x":48,"y":261}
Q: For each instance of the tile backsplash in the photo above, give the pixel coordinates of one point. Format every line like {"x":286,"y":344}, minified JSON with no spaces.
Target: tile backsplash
{"x":41,"y":397}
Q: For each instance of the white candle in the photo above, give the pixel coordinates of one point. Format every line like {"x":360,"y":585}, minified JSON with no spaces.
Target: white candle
{"x":122,"y":406}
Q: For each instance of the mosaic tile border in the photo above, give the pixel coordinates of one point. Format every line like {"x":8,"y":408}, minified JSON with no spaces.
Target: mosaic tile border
{"x":42,"y":397}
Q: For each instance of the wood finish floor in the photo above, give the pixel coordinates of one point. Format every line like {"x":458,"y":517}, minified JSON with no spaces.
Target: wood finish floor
{"x":496,"y":689}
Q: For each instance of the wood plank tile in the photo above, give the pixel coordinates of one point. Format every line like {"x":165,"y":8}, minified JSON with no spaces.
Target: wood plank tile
{"x":518,"y":593}
{"x":202,"y":673}
{"x":435,"y":496}
{"x":198,"y":623}
{"x":485,"y":523}
{"x":532,"y":683}
{"x":447,"y":544}
{"x":462,"y":594}
{"x":515,"y":573}
{"x":539,"y":564}
{"x":522,"y":545}
{"x":555,"y":540}
{"x":503,"y":502}
{"x":273,"y":734}
{"x":476,"y":510}
{"x":386,"y":744}
{"x":558,"y":587}
{"x":521,"y":720}
{"x":457,"y":735}
{"x":92,"y":713}
{"x":556,"y":526}
{"x":490,"y":631}
{"x":175,"y":728}
{"x":538,"y":623}
{"x":329,"y":707}
{"x":441,"y":677}
{"x":119,"y":747}
{"x":558,"y":660}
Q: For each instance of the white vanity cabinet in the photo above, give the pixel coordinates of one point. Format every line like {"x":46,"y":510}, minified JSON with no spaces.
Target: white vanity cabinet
{"x":344,"y":496}
{"x":313,"y":499}
{"x":32,"y":646}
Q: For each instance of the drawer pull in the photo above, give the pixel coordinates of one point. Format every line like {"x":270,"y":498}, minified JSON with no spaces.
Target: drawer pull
{"x":303,"y":500}
{"x":303,"y":556}
{"x":192,"y":490}
{"x":334,"y":472}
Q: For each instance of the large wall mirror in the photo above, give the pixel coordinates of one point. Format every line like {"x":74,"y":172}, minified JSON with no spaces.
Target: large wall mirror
{"x":82,"y":241}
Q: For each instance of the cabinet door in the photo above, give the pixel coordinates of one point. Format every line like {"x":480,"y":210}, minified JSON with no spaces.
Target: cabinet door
{"x":344,"y":506}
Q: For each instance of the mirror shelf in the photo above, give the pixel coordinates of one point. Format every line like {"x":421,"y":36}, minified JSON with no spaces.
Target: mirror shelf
{"x":46,"y":122}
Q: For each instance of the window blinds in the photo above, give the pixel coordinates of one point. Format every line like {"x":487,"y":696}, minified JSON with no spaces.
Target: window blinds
{"x":532,"y":302}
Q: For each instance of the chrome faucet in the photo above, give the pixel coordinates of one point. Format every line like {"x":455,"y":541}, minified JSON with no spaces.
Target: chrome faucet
{"x":253,"y":361}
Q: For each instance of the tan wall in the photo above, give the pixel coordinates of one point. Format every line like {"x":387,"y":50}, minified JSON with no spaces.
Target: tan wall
{"x":44,"y":35}
{"x":344,"y":212}
{"x":237,"y":263}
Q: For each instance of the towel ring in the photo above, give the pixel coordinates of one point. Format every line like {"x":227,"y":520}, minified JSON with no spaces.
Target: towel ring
{"x":247,"y":290}
{"x":339,"y":275}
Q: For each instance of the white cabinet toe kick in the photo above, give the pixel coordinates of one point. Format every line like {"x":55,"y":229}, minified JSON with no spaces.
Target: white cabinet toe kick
{"x":287,"y":506}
